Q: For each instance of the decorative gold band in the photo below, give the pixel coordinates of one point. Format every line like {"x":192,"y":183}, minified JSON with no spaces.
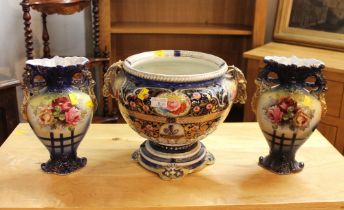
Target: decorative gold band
{"x":180,"y":120}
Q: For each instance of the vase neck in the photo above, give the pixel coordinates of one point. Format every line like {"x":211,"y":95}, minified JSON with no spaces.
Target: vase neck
{"x":56,"y":83}
{"x":55,"y":79}
{"x":293,"y":76}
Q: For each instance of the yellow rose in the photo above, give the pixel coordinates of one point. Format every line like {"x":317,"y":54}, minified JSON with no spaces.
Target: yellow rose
{"x":45,"y":116}
{"x":301,"y":119}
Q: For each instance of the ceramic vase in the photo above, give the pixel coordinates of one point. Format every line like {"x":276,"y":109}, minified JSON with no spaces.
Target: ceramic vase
{"x":289,"y":103}
{"x":174,"y":99}
{"x":58,"y":104}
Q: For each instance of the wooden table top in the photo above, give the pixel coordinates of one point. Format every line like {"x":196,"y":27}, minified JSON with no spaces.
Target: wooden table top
{"x":111,"y":180}
{"x":334,"y":60}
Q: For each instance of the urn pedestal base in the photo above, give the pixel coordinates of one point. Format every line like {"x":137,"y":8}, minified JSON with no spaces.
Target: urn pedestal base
{"x":63,"y":165}
{"x":173,"y":162}
{"x":281,"y":163}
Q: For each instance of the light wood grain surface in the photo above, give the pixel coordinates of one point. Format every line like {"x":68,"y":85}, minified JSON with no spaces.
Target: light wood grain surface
{"x":334,"y":60}
{"x":111,"y":180}
{"x":170,"y":28}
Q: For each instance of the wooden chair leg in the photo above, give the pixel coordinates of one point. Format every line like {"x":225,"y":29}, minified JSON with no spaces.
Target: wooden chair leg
{"x":28,"y":31}
{"x":45,"y":37}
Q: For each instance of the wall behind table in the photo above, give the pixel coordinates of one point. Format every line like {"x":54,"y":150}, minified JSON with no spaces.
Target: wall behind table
{"x":67,"y":37}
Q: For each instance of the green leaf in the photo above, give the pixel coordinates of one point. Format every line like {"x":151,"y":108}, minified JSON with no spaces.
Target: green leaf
{"x":274,"y":126}
{"x":62,"y":117}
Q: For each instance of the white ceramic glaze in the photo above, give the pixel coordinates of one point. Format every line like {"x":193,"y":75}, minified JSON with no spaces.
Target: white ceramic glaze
{"x":165,"y":66}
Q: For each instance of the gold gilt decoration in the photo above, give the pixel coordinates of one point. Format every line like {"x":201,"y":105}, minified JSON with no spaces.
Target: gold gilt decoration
{"x":109,"y":78}
{"x":241,"y":81}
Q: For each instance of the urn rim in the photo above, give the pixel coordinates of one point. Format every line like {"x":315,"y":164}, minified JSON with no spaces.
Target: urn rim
{"x":220,"y":70}
{"x":58,"y":62}
{"x":294,"y":61}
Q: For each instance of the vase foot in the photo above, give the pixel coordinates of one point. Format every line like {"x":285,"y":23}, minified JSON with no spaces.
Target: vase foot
{"x":63,"y":165}
{"x":173,"y":162}
{"x":280,"y":164}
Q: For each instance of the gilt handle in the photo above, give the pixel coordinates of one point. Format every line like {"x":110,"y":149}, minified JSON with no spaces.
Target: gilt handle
{"x":241,"y":82}
{"x":91,"y":83}
{"x":109,"y":79}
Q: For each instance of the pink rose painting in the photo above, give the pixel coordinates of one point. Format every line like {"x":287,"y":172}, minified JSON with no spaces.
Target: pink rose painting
{"x":176,"y":106}
{"x":73,"y":116}
{"x":63,"y":103}
{"x":275,"y":114}
{"x":60,"y":112}
{"x":173,"y":104}
{"x":287,"y":112}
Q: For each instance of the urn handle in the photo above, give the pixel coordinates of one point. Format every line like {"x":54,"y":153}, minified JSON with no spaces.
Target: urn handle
{"x":109,"y":79}
{"x":26,"y":91}
{"x":318,"y":89}
{"x":241,"y":81}
{"x":91,"y":83}
{"x":263,"y":82}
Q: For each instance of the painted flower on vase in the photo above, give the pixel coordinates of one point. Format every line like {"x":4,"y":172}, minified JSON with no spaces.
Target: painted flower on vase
{"x":275,"y":114}
{"x":175,"y":106}
{"x":196,"y":109}
{"x":45,"y":116}
{"x":63,"y":103}
{"x":196,"y":96}
{"x":287,"y":112}
{"x":73,"y":116}
{"x":59,"y":113}
{"x":301,"y":119}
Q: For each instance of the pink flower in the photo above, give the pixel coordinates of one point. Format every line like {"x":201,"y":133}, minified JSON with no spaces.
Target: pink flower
{"x":196,"y":95}
{"x":209,"y":106}
{"x":63,"y":103}
{"x":73,"y":116}
{"x":149,"y":127}
{"x":132,"y":104}
{"x":173,"y":105}
{"x":195,"y":128}
{"x":287,"y":102}
{"x":196,"y":109}
{"x":275,"y":114}
{"x":145,"y":108}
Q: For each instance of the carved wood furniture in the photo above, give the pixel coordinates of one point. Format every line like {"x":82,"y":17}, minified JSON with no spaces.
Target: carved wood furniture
{"x":112,"y":181}
{"x":67,"y":7}
{"x":9,"y":117}
{"x":225,"y":28}
{"x":332,"y":125}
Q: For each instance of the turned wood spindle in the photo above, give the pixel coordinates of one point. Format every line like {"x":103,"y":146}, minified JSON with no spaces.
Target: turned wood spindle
{"x":28,"y":31}
{"x":45,"y":37}
{"x":95,"y":14}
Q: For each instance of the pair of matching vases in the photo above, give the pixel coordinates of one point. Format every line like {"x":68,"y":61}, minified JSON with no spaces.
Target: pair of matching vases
{"x":173,"y":98}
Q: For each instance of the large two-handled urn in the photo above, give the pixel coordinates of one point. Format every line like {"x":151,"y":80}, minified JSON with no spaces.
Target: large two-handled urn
{"x":174,"y":98}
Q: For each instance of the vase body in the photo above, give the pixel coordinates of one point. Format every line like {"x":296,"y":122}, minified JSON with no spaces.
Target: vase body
{"x":59,"y":108}
{"x":288,"y":109}
{"x":161,"y":98}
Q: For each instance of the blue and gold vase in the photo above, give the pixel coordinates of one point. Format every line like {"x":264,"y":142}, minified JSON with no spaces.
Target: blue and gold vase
{"x":58,"y":104}
{"x":289,"y":103}
{"x":174,"y":99}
